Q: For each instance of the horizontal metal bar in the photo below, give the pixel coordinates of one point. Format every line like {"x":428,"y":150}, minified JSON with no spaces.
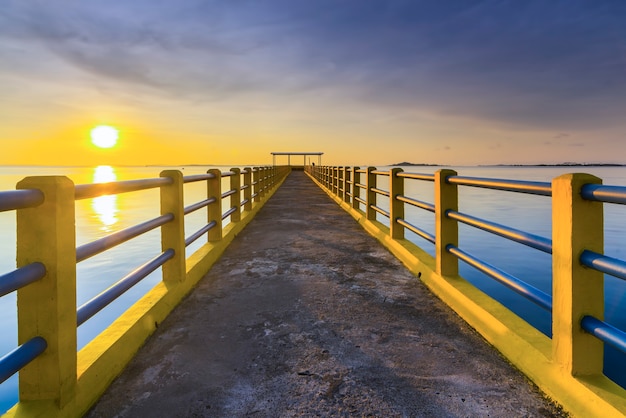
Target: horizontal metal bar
{"x":380,"y":191}
{"x":228,"y":173}
{"x":601,"y":193}
{"x":198,"y":177}
{"x":244,"y":187}
{"x":358,"y":199}
{"x":99,"y":302}
{"x":254,"y":183}
{"x":229,"y":212}
{"x":21,"y":277}
{"x":380,"y":210}
{"x":244,"y":201}
{"x":229,"y":193}
{"x":20,"y":199}
{"x":361,"y":171}
{"x":380,"y":173}
{"x":607,"y":333}
{"x":16,"y":359}
{"x":87,"y":191}
{"x":609,"y":265}
{"x":416,"y":230}
{"x":360,"y":185}
{"x":204,"y":203}
{"x":530,"y":187}
{"x":534,"y":241}
{"x":95,"y":247}
{"x":417,"y":203}
{"x":417,"y":176}
{"x":254,"y":195}
{"x":531,"y":293}
{"x":245,"y":171}
{"x":206,"y":228}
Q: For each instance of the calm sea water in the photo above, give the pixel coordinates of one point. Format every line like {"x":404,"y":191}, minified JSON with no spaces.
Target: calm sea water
{"x":98,"y":217}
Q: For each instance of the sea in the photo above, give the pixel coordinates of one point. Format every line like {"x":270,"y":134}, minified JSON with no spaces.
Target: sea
{"x":98,"y":217}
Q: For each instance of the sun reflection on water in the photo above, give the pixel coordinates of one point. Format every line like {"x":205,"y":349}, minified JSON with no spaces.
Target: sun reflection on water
{"x":105,"y":207}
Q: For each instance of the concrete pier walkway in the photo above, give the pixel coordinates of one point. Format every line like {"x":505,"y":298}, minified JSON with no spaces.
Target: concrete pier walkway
{"x":307,"y":315}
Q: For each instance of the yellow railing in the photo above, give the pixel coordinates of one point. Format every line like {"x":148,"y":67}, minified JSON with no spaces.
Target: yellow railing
{"x":62,"y":382}
{"x":569,"y":366}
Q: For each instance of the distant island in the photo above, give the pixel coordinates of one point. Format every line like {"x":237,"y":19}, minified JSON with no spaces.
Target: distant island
{"x":407,"y":164}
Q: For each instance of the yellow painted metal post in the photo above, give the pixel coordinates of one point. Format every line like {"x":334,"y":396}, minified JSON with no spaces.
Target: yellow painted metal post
{"x":47,"y":308}
{"x":214,"y":187}
{"x":173,"y":233}
{"x":356,"y":190}
{"x":396,"y":207}
{"x":235,"y":199}
{"x":446,"y":229}
{"x":247,"y":192}
{"x":257,"y":185}
{"x":340,"y":183}
{"x":346,"y":184}
{"x":577,"y":224}
{"x":263,"y":180}
{"x":370,"y":196}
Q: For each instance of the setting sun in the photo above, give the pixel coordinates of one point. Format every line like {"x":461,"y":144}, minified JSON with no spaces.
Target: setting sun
{"x":104,"y":136}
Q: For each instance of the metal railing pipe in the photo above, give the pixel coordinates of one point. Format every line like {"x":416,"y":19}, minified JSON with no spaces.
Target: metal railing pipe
{"x":526,"y":238}
{"x":417,"y":203}
{"x":607,"y":194}
{"x":529,"y":187}
{"x":606,"y":333}
{"x":531,"y":293}
{"x":380,"y":191}
{"x":193,"y":237}
{"x":21,"y":277}
{"x":20,"y":199}
{"x":380,"y":210}
{"x":229,"y":212}
{"x":99,"y":302}
{"x":197,"y":177}
{"x":604,"y":264}
{"x":95,"y":247}
{"x":87,"y":191}
{"x":199,"y":205}
{"x":417,"y":176}
{"x":16,"y":359}
{"x":418,"y":231}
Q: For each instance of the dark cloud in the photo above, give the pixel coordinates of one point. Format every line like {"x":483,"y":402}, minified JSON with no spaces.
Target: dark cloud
{"x":537,"y":64}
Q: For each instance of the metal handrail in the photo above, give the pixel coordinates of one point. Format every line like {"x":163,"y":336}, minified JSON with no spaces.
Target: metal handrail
{"x":529,"y":187}
{"x":360,"y":185}
{"x":418,"y":231}
{"x":604,"y":264}
{"x":21,"y":277}
{"x":99,"y":302}
{"x":380,"y":191}
{"x":229,"y":193}
{"x":199,"y":205}
{"x":193,"y":237}
{"x":229,"y":212}
{"x":417,"y":203}
{"x":358,"y":199}
{"x":417,"y":176}
{"x":531,"y":293}
{"x":381,"y":173}
{"x":106,"y":243}
{"x":526,"y":238}
{"x":87,"y":191}
{"x":607,"y":194}
{"x":16,"y":359}
{"x":606,"y":333}
{"x":198,"y":177}
{"x":380,"y":210}
{"x":228,"y":173}
{"x":20,"y":199}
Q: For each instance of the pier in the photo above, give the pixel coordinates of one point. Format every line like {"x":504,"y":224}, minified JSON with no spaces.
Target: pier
{"x":306,"y":298}
{"x":305,"y":314}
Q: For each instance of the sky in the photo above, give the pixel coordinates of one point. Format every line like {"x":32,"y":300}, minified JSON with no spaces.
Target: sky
{"x":366,"y":82}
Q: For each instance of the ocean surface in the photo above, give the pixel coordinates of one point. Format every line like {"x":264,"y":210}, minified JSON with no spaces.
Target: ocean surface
{"x":103,"y":215}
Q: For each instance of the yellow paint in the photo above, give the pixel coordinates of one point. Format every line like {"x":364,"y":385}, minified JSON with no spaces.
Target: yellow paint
{"x":71,"y":383}
{"x":214,"y":191}
{"x":235,"y":199}
{"x":396,"y":207}
{"x":247,"y":192}
{"x":48,"y":307}
{"x":523,"y":345}
{"x":173,"y":233}
{"x":577,"y":224}
{"x":370,"y":196}
{"x":446,"y":229}
{"x":356,"y":191}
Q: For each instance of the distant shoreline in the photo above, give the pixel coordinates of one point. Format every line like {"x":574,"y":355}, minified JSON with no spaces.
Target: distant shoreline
{"x":408,"y":164}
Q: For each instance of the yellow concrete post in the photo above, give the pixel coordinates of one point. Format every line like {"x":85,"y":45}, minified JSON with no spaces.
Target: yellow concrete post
{"x":235,"y":199}
{"x":370,"y":195}
{"x":346,"y":184}
{"x":214,"y":211}
{"x":47,"y":308}
{"x":446,"y":229}
{"x":356,"y":191}
{"x":173,"y":233}
{"x":340,"y":189}
{"x":257,"y":185}
{"x":263,"y":180}
{"x":396,"y":207}
{"x":577,"y":224}
{"x":247,"y":192}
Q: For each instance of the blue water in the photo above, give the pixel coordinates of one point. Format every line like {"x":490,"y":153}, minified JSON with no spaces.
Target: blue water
{"x":101,"y":216}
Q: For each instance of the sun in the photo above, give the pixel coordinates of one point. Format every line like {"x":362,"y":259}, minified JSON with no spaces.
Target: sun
{"x":104,"y":136}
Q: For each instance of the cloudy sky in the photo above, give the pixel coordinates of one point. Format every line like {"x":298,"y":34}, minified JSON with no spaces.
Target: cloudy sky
{"x":366,"y":82}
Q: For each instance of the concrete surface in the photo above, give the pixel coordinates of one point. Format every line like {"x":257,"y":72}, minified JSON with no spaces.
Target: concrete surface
{"x":307,"y":315}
